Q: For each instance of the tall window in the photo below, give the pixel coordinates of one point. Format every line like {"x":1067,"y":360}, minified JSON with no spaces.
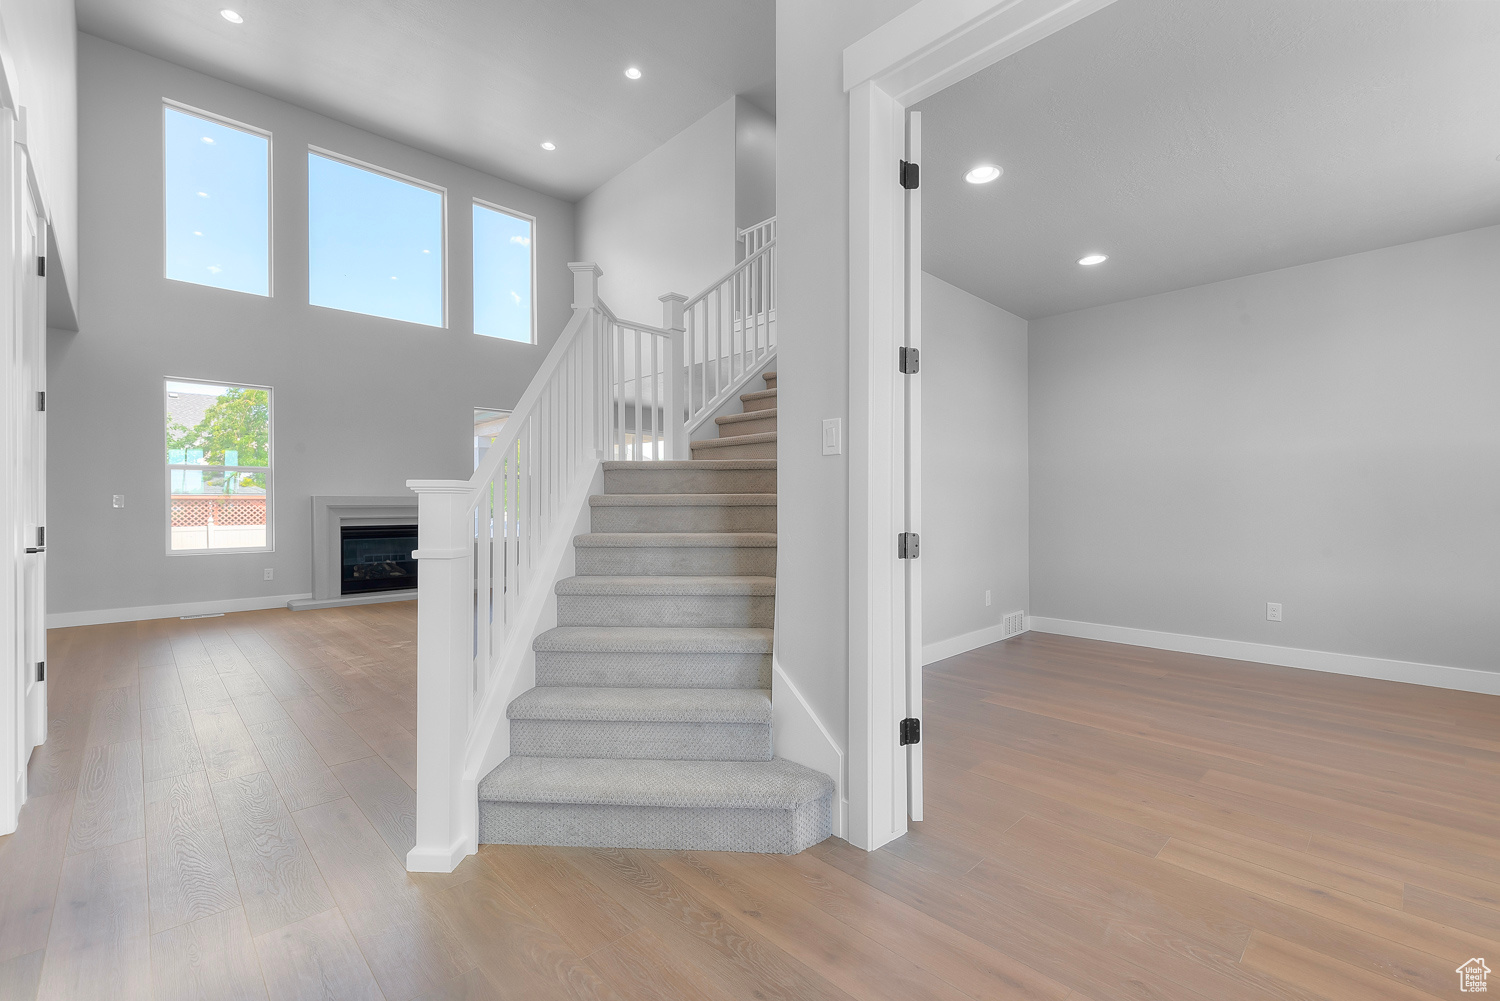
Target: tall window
{"x":218,"y":467}
{"x":374,"y":242}
{"x":218,"y":203}
{"x":503,"y":274}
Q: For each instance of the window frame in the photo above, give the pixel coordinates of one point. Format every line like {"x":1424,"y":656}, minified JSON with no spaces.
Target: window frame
{"x":442,"y":193}
{"x":267,"y":469}
{"x":474,"y":271}
{"x":188,"y":109}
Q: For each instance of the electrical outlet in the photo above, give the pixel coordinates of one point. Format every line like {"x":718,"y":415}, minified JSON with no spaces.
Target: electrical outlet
{"x":987,"y":598}
{"x":270,"y":573}
{"x":119,"y":500}
{"x":1273,"y":611}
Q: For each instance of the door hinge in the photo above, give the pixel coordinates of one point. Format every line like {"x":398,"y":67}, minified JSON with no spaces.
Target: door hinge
{"x":911,"y":731}
{"x":908,"y":360}
{"x":41,"y":670}
{"x":41,"y":400}
{"x":910,"y":175}
{"x":41,"y":267}
{"x":907,"y":544}
{"x":41,"y":537}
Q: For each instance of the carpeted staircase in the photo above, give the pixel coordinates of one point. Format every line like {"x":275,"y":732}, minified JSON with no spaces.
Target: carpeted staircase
{"x":650,"y":726}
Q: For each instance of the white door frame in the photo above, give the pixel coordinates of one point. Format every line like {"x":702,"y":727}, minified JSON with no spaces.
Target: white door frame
{"x":928,"y":47}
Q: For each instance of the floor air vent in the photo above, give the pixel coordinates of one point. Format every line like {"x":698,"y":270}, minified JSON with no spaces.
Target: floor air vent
{"x":1014,"y":623}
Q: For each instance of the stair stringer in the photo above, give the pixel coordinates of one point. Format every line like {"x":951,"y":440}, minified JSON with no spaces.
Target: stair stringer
{"x":490,"y":744}
{"x":798,"y":735}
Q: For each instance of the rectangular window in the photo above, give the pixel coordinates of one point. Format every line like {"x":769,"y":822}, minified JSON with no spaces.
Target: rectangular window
{"x":374,"y":242}
{"x":503,"y":274}
{"x":218,"y":468}
{"x":487,"y":425}
{"x":218,"y":203}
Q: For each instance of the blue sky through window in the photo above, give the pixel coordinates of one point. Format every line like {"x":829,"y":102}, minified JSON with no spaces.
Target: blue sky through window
{"x":502,"y":274}
{"x":218,"y":199}
{"x":375,"y":243}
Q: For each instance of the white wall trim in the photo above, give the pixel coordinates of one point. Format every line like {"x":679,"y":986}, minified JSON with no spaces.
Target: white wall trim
{"x":799,"y":735}
{"x":1462,"y":679}
{"x":964,"y":642}
{"x":94,"y":617}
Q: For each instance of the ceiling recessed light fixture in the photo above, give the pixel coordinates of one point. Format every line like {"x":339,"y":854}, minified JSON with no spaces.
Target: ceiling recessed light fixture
{"x":1089,"y":260}
{"x":231,"y":16}
{"x":549,"y":147}
{"x":983,"y":174}
{"x":632,"y":73}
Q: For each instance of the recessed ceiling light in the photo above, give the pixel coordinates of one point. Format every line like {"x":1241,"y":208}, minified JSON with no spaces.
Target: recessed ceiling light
{"x":231,"y":16}
{"x":549,"y":147}
{"x":1089,"y":260}
{"x":983,"y":174}
{"x":633,"y":73}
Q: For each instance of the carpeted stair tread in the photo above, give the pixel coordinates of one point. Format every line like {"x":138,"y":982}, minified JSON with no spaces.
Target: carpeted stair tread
{"x":733,"y":441}
{"x":760,"y":394}
{"x":644,"y":705}
{"x":747,"y":785}
{"x":676,"y":540}
{"x":683,"y":500}
{"x":690,"y":464}
{"x":652,"y":639}
{"x":749,"y":415}
{"x":666,"y":585}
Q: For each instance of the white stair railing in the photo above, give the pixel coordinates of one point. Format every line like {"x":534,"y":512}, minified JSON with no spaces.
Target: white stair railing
{"x":730,"y":331}
{"x":757,"y":236}
{"x":488,"y":546}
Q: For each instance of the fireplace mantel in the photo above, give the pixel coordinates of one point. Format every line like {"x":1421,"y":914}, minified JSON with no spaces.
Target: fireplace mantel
{"x":329,"y":514}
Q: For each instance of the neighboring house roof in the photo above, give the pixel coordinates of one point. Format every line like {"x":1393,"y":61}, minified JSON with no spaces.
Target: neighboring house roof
{"x":188,"y":409}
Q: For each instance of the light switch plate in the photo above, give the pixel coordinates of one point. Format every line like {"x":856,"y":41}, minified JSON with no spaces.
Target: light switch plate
{"x":119,"y":500}
{"x":833,"y":436}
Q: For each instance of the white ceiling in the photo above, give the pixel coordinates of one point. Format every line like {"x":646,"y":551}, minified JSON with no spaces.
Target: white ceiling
{"x":482,"y":82}
{"x":1199,"y":140}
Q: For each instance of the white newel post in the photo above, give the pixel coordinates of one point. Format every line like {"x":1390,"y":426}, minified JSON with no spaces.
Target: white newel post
{"x":445,"y":824}
{"x":676,"y":380}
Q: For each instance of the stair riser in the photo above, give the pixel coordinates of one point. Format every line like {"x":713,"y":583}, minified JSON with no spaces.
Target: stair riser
{"x":753,"y":404}
{"x":730,"y":429}
{"x":653,"y":670}
{"x":647,"y":561}
{"x":734,"y":610}
{"x":709,"y":829}
{"x":689,"y":481}
{"x":686,"y":518}
{"x":749,"y":450}
{"x":668,"y":741}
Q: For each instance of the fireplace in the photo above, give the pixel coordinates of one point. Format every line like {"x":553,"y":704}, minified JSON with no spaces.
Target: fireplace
{"x":377,"y":558}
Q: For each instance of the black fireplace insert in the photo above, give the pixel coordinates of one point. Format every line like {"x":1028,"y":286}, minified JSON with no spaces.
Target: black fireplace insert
{"x":378,"y":558}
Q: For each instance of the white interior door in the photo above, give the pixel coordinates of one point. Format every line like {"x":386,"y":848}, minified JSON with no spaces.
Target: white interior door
{"x":13,"y":680}
{"x":913,"y":652}
{"x":32,"y":416}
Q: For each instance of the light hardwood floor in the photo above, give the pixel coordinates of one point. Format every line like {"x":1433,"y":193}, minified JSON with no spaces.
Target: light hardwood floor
{"x":223,"y":805}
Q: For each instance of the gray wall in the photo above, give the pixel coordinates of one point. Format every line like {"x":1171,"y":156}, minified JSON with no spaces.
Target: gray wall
{"x":754,"y":164}
{"x":666,"y":222}
{"x":812,"y":314}
{"x":361,"y":403}
{"x":1327,"y":437}
{"x":974,"y":465}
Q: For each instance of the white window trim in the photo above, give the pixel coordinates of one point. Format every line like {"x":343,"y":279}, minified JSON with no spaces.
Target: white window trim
{"x":270,"y":546}
{"x":474,"y":275}
{"x":408,"y":179}
{"x":167,"y":102}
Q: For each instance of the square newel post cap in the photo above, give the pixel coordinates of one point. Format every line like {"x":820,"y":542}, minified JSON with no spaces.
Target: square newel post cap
{"x":671,"y":310}
{"x":586,"y":275}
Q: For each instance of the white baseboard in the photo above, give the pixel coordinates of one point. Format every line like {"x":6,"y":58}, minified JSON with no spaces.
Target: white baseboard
{"x":1462,"y":679}
{"x":943,"y":649}
{"x":94,"y":617}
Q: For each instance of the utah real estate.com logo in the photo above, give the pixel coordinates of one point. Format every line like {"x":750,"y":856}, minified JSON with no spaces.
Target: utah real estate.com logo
{"x":1471,"y":976}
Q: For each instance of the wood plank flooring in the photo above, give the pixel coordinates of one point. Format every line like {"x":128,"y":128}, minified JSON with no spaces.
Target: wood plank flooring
{"x":224,"y":806}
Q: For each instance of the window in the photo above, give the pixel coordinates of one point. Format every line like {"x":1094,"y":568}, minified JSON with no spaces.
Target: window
{"x":487,"y":425}
{"x":503,"y":274}
{"x":218,"y":467}
{"x":374,"y":242}
{"x":218,"y":203}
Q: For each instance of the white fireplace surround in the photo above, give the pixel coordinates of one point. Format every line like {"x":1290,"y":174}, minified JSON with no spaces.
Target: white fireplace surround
{"x":331,"y":513}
